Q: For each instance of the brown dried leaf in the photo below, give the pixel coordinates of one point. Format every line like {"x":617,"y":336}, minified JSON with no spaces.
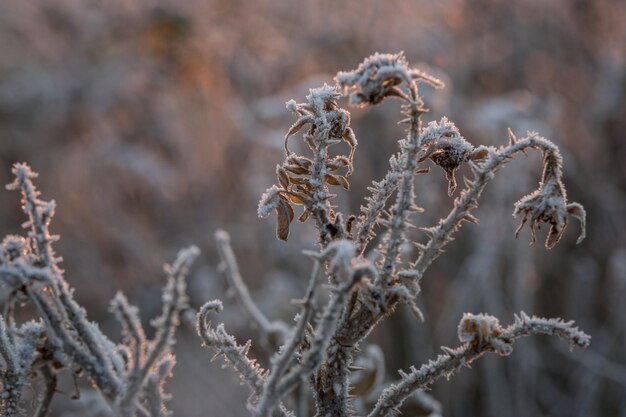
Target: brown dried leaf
{"x":299,"y":124}
{"x":479,"y":154}
{"x":299,"y":160}
{"x":339,"y":162}
{"x":298,"y":170}
{"x":304,"y":216}
{"x":297,"y":198}
{"x":298,"y":180}
{"x":283,"y":179}
{"x":337,"y":180}
{"x":285,"y":214}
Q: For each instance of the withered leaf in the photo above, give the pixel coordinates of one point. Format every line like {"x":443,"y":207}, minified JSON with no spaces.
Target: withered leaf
{"x":302,"y":188}
{"x":339,"y":162}
{"x":350,"y":138}
{"x":298,"y":180}
{"x":296,"y":169}
{"x":283,"y":179}
{"x":285,"y":214}
{"x":285,"y":201}
{"x":337,"y":180}
{"x":302,"y":161}
{"x":297,"y":198}
{"x":299,"y":124}
{"x":479,"y":154}
{"x":578,"y":212}
{"x":554,"y":235}
{"x":304,"y":216}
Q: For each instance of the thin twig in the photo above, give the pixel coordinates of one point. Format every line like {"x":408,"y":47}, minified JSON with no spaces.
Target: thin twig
{"x":50,"y":386}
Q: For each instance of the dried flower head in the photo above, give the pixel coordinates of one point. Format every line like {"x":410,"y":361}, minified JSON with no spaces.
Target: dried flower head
{"x":379,"y":77}
{"x":482,"y":329}
{"x":548,"y":204}
{"x":321,"y":112}
{"x":445,"y":146}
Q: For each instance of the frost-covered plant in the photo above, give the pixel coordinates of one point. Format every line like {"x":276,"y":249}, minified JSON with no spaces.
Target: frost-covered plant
{"x":367,"y":285}
{"x":129,"y":375}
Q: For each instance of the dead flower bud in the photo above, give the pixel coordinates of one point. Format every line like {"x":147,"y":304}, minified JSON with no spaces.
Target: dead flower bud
{"x":548,"y":204}
{"x":379,"y":77}
{"x":480,"y":329}
{"x":445,"y":146}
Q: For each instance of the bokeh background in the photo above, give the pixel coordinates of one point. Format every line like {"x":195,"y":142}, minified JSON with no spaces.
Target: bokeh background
{"x":153,"y":123}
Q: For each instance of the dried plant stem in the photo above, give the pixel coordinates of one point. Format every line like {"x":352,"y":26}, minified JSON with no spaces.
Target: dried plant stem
{"x":335,"y":401}
{"x":405,"y":202}
{"x":348,"y":277}
{"x":269,"y":396}
{"x":40,"y":213}
{"x":174,"y":301}
{"x":381,"y":192}
{"x":442,"y":233}
{"x":454,"y":359}
{"x":236,"y":355}
{"x":50,"y":386}
{"x":12,"y":375}
{"x":320,"y":204}
{"x":230,"y":268}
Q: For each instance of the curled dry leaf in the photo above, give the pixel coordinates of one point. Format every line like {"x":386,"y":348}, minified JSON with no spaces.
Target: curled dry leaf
{"x":337,"y":180}
{"x":285,"y":214}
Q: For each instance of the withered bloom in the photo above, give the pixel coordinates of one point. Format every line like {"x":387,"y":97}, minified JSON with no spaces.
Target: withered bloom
{"x":378,"y":77}
{"x":445,"y":146}
{"x":548,"y":204}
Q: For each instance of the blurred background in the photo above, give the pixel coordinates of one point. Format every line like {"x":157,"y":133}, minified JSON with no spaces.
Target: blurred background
{"x":153,"y":123}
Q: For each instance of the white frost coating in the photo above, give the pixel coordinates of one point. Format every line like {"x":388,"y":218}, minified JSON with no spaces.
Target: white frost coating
{"x":318,"y":351}
{"x":349,"y":317}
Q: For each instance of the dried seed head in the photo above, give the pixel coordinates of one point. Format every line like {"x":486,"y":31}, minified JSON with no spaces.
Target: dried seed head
{"x":445,"y":146}
{"x":379,"y":77}
{"x":548,"y":204}
{"x":481,"y":329}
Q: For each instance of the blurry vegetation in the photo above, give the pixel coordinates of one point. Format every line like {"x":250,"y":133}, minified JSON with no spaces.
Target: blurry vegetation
{"x":153,"y":123}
